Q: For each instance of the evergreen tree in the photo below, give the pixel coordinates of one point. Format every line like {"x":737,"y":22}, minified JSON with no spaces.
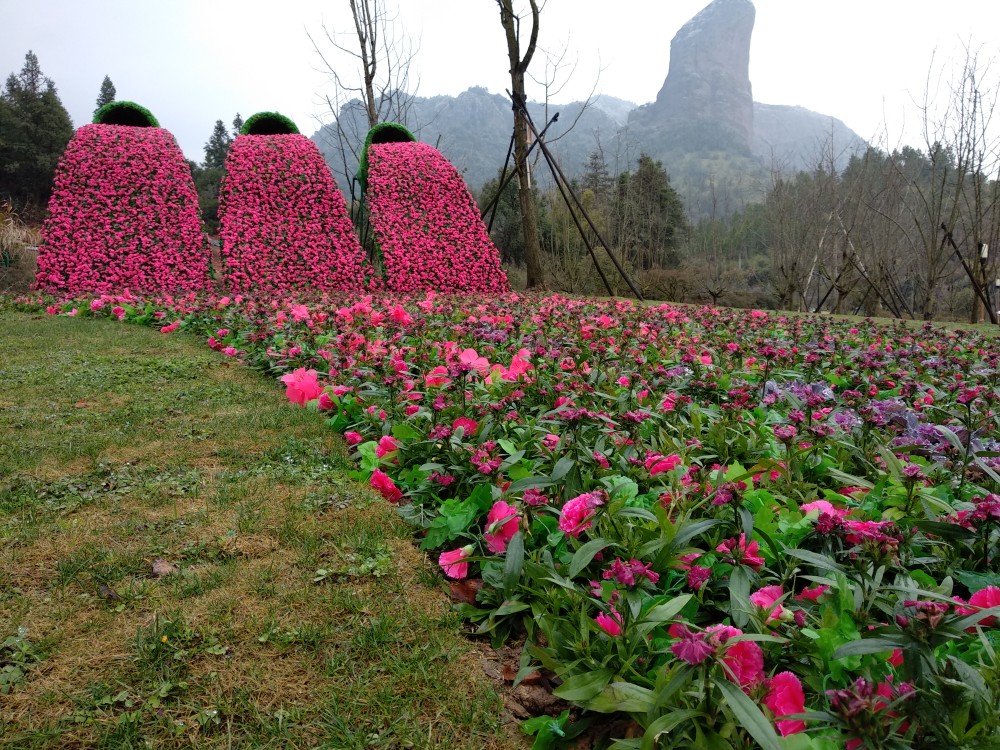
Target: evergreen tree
{"x":648,"y":216}
{"x":34,"y":130}
{"x":217,"y":147}
{"x":237,"y":125}
{"x":107,"y":94}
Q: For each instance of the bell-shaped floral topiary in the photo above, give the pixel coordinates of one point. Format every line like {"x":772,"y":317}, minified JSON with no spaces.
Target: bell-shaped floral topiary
{"x":427,"y":224}
{"x":124,"y":211}
{"x":284,"y":223}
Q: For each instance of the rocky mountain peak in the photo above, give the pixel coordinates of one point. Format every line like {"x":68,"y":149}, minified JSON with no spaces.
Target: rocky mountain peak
{"x":708,"y":82}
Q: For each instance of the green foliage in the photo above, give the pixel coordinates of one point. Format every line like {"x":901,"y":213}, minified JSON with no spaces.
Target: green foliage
{"x":34,"y":130}
{"x":107,"y":94}
{"x":383,"y":132}
{"x":125,"y":113}
{"x":217,"y":147}
{"x":267,"y":123}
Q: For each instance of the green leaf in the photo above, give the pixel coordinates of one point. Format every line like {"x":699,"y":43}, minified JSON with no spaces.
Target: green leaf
{"x":513,"y":563}
{"x":583,"y":556}
{"x":749,"y":716}
{"x":528,"y":483}
{"x":667,"y":611}
{"x":664,"y":724}
{"x":866,"y":646}
{"x":583,"y":687}
{"x":815,"y":559}
{"x":403,"y":431}
{"x":621,"y":696}
{"x":975,"y":619}
{"x":561,"y":469}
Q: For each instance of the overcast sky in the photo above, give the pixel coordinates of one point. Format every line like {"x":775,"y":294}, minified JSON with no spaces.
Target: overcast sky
{"x":192,"y":62}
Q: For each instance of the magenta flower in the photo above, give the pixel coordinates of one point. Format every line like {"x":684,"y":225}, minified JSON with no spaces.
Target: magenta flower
{"x":691,"y":647}
{"x":387,"y":446}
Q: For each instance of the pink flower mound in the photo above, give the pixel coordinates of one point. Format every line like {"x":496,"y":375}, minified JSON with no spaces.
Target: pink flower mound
{"x":427,"y":223}
{"x":123,"y":216}
{"x":284,"y":223}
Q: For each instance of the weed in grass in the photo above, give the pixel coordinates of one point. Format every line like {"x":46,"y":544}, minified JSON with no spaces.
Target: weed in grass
{"x":18,"y":655}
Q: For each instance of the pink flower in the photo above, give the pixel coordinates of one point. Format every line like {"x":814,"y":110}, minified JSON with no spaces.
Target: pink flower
{"x":384,"y":484}
{"x":353,"y":438}
{"x":741,"y":553}
{"x":823,"y":506}
{"x":983,"y":599}
{"x":302,"y":386}
{"x":469,"y":426}
{"x":628,"y":573}
{"x":577,"y":514}
{"x":170,"y":327}
{"x":744,"y":660}
{"x":812,"y":593}
{"x":691,"y":647}
{"x":769,"y":598}
{"x":784,"y":698}
{"x":657,"y":464}
{"x":550,"y":441}
{"x":610,"y":623}
{"x":471,"y":360}
{"x":698,"y":576}
{"x":502,"y":523}
{"x":387,"y":446}
{"x":534,"y":497}
{"x":437,"y":377}
{"x":454,"y":563}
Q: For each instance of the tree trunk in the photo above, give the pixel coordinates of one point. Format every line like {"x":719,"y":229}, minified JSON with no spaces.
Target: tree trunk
{"x":518,"y":66}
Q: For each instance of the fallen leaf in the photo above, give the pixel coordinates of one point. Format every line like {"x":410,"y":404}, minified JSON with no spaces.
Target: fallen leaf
{"x":465,"y":591}
{"x":163,"y":568}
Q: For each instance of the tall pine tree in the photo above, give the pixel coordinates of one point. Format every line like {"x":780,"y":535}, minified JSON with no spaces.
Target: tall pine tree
{"x":107,"y":94}
{"x":34,"y":130}
{"x":217,"y":147}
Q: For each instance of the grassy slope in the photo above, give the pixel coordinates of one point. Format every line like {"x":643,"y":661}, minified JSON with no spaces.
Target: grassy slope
{"x":124,"y":446}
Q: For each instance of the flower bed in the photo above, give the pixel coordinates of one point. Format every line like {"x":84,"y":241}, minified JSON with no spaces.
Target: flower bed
{"x":427,"y":223}
{"x":284,"y":224}
{"x":123,"y":212}
{"x":785,"y":538}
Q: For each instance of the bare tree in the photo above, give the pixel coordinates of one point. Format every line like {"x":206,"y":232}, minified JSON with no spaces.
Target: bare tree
{"x":519,"y":61}
{"x":381,"y":91}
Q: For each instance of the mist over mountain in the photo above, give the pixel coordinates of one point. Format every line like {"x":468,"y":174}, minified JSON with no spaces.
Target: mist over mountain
{"x":718,"y":145}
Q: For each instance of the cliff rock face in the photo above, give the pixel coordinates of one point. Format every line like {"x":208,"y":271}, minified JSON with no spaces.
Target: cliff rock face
{"x":707,"y":91}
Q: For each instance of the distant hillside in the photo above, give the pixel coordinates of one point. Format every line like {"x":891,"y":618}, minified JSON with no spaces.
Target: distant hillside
{"x":717,"y":144}
{"x":473,"y":131}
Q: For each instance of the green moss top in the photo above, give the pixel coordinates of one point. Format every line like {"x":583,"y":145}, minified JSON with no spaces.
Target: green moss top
{"x":383,"y":132}
{"x":125,"y":113}
{"x":268,"y":123}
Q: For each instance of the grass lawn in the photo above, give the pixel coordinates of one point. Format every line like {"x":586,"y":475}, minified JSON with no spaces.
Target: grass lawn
{"x":184,"y":562}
